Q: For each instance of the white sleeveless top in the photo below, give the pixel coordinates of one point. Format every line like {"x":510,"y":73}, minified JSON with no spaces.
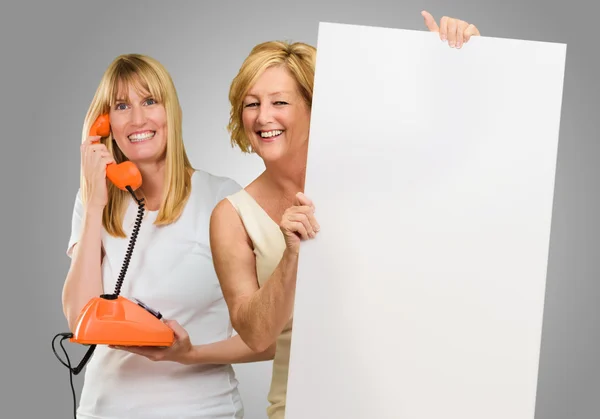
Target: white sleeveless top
{"x":171,"y":270}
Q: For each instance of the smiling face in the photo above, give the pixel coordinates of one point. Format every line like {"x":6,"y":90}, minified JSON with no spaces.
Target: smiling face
{"x":139,"y":125}
{"x":275,"y":116}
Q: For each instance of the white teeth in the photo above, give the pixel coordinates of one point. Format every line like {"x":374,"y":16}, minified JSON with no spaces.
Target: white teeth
{"x":269,"y":134}
{"x":134,"y":138}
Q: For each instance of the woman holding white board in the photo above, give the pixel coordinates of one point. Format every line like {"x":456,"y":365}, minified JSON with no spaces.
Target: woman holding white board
{"x":256,"y":232}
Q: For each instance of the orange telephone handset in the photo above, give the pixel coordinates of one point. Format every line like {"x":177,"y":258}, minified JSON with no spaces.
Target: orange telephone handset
{"x":123,"y":174}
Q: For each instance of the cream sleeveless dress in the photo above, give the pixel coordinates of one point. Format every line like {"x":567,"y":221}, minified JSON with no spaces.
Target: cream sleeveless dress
{"x":269,"y":246}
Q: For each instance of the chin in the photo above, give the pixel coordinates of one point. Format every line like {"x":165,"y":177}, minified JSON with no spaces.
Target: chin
{"x":145,"y":159}
{"x":144,"y":156}
{"x":147,"y":152}
{"x":270,"y":154}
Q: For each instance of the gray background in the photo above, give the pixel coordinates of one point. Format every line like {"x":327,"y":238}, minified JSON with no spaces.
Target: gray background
{"x":52,"y":58}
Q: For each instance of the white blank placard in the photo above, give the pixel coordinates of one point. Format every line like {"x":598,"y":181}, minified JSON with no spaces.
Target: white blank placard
{"x":432,"y":171}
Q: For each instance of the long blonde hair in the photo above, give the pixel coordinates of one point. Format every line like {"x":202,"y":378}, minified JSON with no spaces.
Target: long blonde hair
{"x":144,"y":74}
{"x":298,"y":58}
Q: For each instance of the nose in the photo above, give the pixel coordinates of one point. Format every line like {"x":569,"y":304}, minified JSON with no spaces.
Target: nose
{"x":137,"y":116}
{"x":264,"y":114}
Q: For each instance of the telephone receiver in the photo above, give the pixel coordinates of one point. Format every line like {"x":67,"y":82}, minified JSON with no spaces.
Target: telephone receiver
{"x":124,"y":175}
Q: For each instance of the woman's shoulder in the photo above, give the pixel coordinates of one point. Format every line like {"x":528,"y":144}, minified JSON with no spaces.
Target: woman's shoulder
{"x":211,"y":187}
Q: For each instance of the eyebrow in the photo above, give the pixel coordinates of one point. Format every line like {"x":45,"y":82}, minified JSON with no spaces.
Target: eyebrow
{"x":272,"y":94}
{"x":126,"y":99}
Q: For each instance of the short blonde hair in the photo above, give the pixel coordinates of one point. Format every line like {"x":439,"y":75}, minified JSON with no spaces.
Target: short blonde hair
{"x":144,"y":74}
{"x":298,"y":58}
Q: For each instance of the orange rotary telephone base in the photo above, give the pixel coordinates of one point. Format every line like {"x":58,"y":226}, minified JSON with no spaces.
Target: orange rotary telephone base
{"x":115,"y":320}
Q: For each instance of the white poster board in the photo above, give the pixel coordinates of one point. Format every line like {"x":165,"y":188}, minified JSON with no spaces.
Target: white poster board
{"x":432,"y":171}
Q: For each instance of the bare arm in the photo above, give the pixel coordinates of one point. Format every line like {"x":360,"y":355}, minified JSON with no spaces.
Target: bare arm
{"x":84,"y":279}
{"x":259,"y":314}
{"x":230,"y":351}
